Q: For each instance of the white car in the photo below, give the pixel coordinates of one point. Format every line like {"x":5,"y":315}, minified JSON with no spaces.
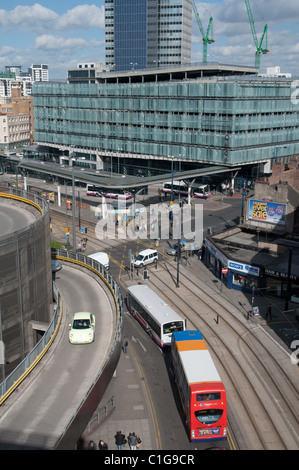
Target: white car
{"x":145,"y":257}
{"x":82,"y":328}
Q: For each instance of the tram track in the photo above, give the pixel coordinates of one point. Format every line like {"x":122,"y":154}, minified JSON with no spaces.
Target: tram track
{"x":261,"y":394}
{"x":267,"y":406}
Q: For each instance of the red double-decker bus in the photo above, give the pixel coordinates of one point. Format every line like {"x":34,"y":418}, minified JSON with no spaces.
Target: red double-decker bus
{"x":201,"y":390}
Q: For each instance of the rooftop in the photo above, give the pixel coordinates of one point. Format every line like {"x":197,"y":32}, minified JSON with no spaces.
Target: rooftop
{"x":259,"y":249}
{"x":181,"y":72}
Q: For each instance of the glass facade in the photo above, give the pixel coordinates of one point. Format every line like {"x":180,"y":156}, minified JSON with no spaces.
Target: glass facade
{"x":130,"y":34}
{"x":221,"y":122}
{"x":147,"y":33}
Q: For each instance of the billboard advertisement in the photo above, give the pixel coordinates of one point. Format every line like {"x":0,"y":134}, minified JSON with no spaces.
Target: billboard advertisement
{"x":267,"y":211}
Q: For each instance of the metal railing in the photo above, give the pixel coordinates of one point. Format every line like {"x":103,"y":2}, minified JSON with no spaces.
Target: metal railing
{"x":95,"y":266}
{"x":13,"y":380}
{"x":105,"y":275}
{"x":99,"y":416}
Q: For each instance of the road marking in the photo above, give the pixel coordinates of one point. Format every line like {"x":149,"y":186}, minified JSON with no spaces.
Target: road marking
{"x":136,"y":340}
{"x":138,"y":408}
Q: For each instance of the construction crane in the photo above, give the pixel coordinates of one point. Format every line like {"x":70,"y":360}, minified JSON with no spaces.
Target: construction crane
{"x":205,"y":37}
{"x":259,"y":45}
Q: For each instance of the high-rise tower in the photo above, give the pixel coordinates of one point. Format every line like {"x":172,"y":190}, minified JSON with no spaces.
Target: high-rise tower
{"x":147,"y":33}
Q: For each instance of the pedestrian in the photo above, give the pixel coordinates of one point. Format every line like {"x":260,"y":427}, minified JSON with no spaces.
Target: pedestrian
{"x":269,"y":312}
{"x":120,"y":440}
{"x":91,"y":446}
{"x":103,"y":445}
{"x":132,"y":441}
{"x":125,"y":344}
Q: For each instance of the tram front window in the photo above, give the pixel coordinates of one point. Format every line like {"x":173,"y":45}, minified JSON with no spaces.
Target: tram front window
{"x":173,"y":326}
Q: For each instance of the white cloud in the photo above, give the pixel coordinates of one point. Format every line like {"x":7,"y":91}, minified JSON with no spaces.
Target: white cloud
{"x":32,"y":17}
{"x":40,"y":19}
{"x":6,"y":50}
{"x":82,"y":16}
{"x":49,"y":42}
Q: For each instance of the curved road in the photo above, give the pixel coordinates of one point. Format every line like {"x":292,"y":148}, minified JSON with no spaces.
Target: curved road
{"x":35,"y":414}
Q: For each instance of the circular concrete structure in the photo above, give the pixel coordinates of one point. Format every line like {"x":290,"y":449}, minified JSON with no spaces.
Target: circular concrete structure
{"x":25,"y":276}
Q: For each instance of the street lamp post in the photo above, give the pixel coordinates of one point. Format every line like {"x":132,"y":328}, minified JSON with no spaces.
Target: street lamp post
{"x":171,"y":202}
{"x":74,"y":206}
{"x":74,"y":158}
{"x":171,"y":198}
{"x":178,"y":264}
{"x":243,"y":196}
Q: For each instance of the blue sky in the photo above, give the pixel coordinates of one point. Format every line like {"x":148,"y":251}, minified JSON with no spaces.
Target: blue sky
{"x":65,"y":32}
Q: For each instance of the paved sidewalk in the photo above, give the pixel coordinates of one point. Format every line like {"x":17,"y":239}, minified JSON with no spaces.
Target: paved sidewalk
{"x":130,"y":412}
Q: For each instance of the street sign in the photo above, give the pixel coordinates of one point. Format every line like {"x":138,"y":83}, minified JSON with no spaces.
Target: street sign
{"x":224,"y":270}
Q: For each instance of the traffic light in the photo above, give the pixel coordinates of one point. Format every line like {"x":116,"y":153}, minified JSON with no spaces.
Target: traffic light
{"x":145,"y":274}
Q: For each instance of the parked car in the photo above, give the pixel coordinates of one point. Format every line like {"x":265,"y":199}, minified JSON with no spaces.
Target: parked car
{"x":174,"y":248}
{"x":82,"y":328}
{"x":191,"y":246}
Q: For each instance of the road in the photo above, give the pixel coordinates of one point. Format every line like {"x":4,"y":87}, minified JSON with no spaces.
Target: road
{"x":156,"y":364}
{"x":153,"y":361}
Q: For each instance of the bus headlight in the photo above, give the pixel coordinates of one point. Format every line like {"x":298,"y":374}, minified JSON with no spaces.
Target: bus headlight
{"x":193,"y":434}
{"x":224,"y":431}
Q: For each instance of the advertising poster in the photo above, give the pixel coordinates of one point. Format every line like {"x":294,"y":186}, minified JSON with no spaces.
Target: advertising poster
{"x":266,"y":211}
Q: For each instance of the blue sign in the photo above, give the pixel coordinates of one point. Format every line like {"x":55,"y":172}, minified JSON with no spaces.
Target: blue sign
{"x":244,"y":268}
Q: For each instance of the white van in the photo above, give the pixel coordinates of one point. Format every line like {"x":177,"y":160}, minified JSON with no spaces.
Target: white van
{"x":145,"y":257}
{"x":101,"y":257}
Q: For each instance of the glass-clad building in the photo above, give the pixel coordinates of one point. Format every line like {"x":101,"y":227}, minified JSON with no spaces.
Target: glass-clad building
{"x":130,"y":34}
{"x":221,"y":121}
{"x":147,"y":33}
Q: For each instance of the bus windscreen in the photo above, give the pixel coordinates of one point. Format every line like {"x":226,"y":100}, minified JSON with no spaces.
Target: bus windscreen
{"x":169,"y":328}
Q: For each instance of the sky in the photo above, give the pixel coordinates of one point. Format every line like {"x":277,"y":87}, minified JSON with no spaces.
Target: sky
{"x":62,"y":33}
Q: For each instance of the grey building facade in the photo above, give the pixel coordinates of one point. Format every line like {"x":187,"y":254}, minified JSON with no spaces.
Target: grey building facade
{"x":147,"y":33}
{"x":222,"y":121}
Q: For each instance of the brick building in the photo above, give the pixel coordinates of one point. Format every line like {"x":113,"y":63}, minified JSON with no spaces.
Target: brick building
{"x":16,"y":122}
